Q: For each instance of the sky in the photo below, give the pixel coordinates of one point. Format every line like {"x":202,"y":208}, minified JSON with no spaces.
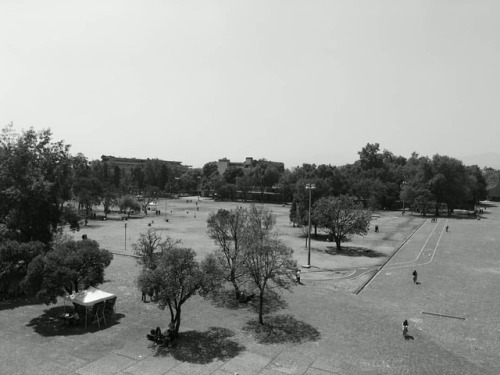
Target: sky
{"x":307,"y":81}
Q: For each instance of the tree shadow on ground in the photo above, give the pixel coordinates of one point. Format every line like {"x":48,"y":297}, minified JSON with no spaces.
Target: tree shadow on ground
{"x":50,"y":323}
{"x":273,"y":302}
{"x":354,"y":252}
{"x":281,"y":329}
{"x":463,"y":217}
{"x":227,"y":299}
{"x":203,"y":347}
{"x":489,"y":204}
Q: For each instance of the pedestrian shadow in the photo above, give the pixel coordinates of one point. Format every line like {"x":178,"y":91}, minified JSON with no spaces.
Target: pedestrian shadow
{"x":202,"y":347}
{"x":280,"y":329}
{"x":354,"y":252}
{"x":50,"y":323}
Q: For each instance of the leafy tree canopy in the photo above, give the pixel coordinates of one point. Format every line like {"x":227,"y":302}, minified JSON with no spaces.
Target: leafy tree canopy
{"x":342,"y":217}
{"x":66,"y":268}
{"x":35,"y":182}
{"x":177,"y":277}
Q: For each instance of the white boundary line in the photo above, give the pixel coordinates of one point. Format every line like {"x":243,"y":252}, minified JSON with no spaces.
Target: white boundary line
{"x":421,"y":250}
{"x":364,"y":286}
{"x":433,"y":252}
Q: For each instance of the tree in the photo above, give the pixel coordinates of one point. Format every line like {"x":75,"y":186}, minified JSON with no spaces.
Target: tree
{"x":35,"y":182}
{"x":450,"y":183}
{"x":370,"y":156}
{"x":209,"y":170}
{"x":270,"y":264}
{"x":104,"y":173}
{"x":150,"y":194}
{"x":87,"y":191}
{"x":228,"y":230}
{"x":177,"y":277}
{"x":71,"y":217}
{"x":342,"y":217}
{"x":14,"y":260}
{"x":189,"y":181}
{"x":150,"y":246}
{"x":478,"y":183}
{"x":128,"y":203}
{"x":231,"y":174}
{"x":66,"y":268}
{"x":225,"y":191}
{"x":244,"y":184}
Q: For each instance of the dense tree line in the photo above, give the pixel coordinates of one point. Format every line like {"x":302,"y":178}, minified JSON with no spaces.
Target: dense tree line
{"x":379,"y":179}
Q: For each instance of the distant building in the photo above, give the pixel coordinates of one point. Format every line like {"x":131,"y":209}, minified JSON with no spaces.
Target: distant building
{"x":224,"y":163}
{"x":127,"y":164}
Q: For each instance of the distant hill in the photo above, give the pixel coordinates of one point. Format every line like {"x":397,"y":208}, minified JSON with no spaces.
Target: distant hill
{"x":488,"y":159}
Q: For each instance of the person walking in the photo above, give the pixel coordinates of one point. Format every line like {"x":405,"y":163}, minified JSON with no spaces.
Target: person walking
{"x":415,"y":276}
{"x":405,"y":331}
{"x":297,"y":277}
{"x":447,"y":228}
{"x":405,"y":328}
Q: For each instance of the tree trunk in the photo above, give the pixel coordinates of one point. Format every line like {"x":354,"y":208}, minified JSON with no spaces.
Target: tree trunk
{"x":236,"y":288}
{"x":175,"y":322}
{"x":261,"y":307}
{"x":338,"y":243}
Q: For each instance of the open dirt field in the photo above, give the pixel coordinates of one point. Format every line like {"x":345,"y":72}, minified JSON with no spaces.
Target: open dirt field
{"x":452,"y":314}
{"x":187,"y":221}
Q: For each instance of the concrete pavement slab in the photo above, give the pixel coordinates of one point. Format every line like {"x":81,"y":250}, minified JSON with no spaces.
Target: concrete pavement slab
{"x":152,"y":366}
{"x":109,"y":364}
{"x":247,"y":363}
{"x":291,"y":363}
{"x":186,"y":368}
{"x":135,"y":350}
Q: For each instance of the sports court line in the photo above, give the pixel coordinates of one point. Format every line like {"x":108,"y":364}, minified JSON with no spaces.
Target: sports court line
{"x":391,"y":267}
{"x":388,"y":260}
{"x":443,"y":315}
{"x":421,"y":250}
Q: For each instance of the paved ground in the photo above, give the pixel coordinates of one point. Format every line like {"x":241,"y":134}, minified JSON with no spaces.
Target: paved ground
{"x":348,"y":334}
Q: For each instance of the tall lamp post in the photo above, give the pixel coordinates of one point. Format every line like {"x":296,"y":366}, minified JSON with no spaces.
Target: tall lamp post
{"x":125,"y":236}
{"x":309,"y":187}
{"x":403,"y":185}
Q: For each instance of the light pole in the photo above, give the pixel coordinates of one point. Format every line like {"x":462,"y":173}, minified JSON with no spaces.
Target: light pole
{"x":309,"y":187}
{"x":403,"y":185}
{"x":125,"y":236}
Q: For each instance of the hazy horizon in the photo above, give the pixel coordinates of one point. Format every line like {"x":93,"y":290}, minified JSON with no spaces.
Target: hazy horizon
{"x":291,"y":81}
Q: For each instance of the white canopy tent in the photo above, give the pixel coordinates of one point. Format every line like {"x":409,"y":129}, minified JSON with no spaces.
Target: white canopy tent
{"x":88,"y":298}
